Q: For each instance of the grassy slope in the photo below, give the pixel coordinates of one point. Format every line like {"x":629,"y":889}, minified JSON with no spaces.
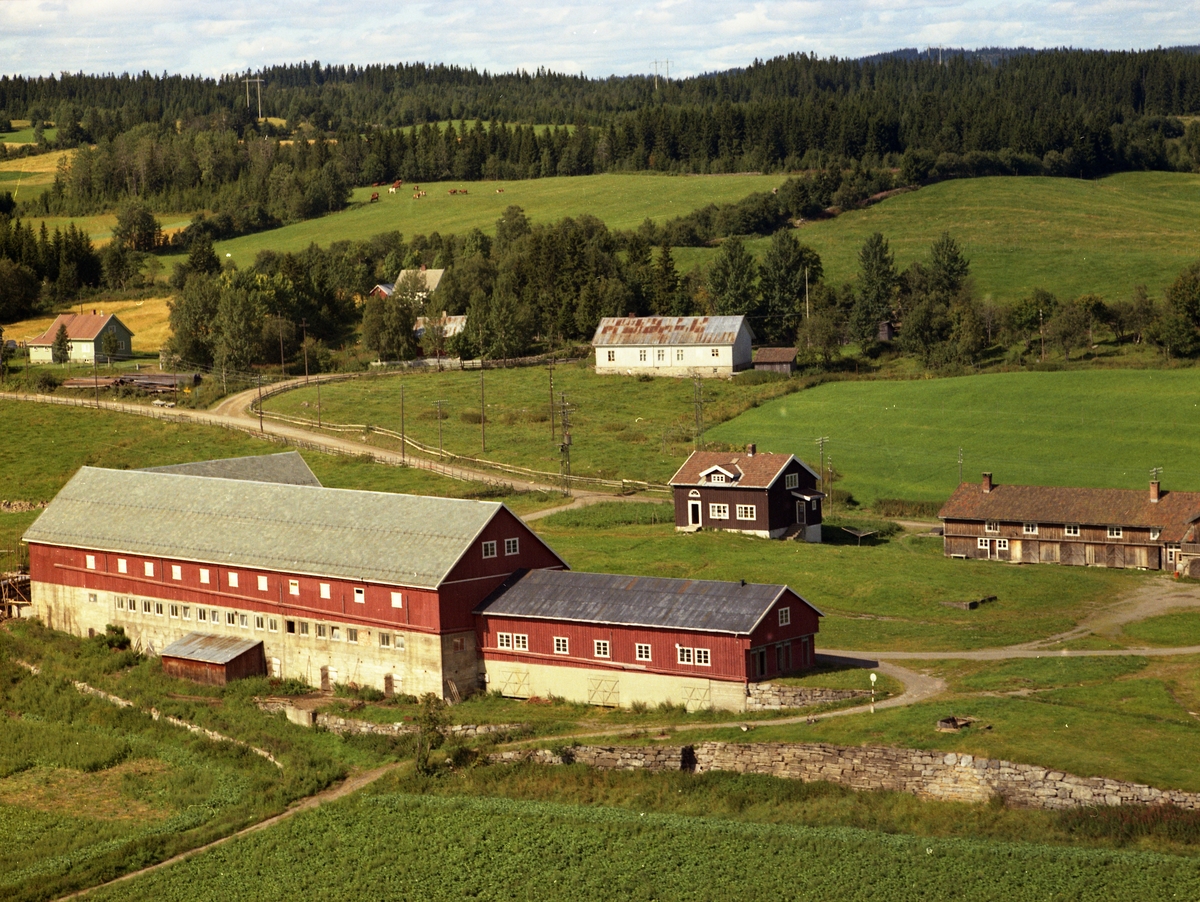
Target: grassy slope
{"x":147,"y":319}
{"x":901,"y":439}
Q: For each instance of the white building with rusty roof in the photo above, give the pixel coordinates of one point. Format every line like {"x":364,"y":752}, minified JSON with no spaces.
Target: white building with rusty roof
{"x":673,"y":345}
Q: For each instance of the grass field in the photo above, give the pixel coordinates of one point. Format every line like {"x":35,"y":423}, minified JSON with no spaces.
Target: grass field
{"x":1102,"y":428}
{"x":22,"y":133}
{"x":30,"y":176}
{"x":1175,"y":629}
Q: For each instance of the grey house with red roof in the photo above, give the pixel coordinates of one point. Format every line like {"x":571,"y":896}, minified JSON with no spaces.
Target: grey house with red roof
{"x":1122,"y":528}
{"x":770,"y":495}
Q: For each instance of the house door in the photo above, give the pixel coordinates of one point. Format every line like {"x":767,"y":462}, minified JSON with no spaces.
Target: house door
{"x":800,"y":509}
{"x":693,"y":513}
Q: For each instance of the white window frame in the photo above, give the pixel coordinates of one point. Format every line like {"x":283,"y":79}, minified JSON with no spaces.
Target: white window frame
{"x":520,"y":642}
{"x":642,"y":356}
{"x":679,"y":355}
{"x":244,"y":621}
{"x":1172,"y":551}
{"x":397,"y":599}
{"x":716,"y":352}
{"x":335,"y":633}
{"x":683,"y":655}
{"x":260,"y":622}
{"x":512,"y":546}
{"x":230,"y":618}
{"x":352,"y":634}
{"x":148,"y":568}
{"x":1029,"y":529}
{"x":718,"y":511}
{"x":158,"y":609}
{"x":202,"y":615}
{"x":263,"y":584}
{"x":747,"y":511}
{"x":122,"y":565}
{"x":322,"y":631}
{"x":176,"y":572}
{"x":325,"y":593}
{"x":601,"y":648}
{"x":233,"y":579}
{"x":303,"y":627}
{"x":89,"y":561}
{"x":785,"y":616}
{"x":612,"y":356}
{"x":93,"y":597}
{"x":385,"y":640}
{"x":661,"y":355}
{"x":205,"y":577}
{"x":504,"y":640}
{"x":791,"y":481}
{"x":703,"y":657}
{"x":1154,"y":534}
{"x":1116,"y":532}
{"x":360,"y":595}
{"x":641,"y":651}
{"x":272,"y":625}
{"x":1002,"y":544}
{"x":716,"y":478}
{"x":146,"y":606}
{"x":1071,"y":530}
{"x":991,"y":525}
{"x":489,"y":549}
{"x":562,"y":645}
{"x":187,"y":612}
{"x":983,"y":543}
{"x":293,"y":587}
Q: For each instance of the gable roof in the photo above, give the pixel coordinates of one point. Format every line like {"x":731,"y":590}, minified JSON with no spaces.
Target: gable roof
{"x":1173,"y":512}
{"x":405,"y":540}
{"x":433,"y":278}
{"x":79,"y":328}
{"x":775,"y":355}
{"x":209,"y":649}
{"x":285,"y":468}
{"x":756,"y":471}
{"x":640,"y":601}
{"x":669,"y":330}
{"x":451,"y":325}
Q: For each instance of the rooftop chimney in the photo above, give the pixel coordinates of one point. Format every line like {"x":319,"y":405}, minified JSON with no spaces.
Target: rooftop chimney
{"x":987,"y":483}
{"x":751,"y":449}
{"x":1154,"y":491}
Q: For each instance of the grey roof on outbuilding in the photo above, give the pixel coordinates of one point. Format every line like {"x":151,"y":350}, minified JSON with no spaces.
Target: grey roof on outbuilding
{"x":639,"y":601}
{"x":209,"y":649}
{"x":285,"y":468}
{"x":405,"y":540}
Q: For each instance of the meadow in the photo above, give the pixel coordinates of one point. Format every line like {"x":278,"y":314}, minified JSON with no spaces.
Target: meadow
{"x":901,"y":439}
{"x":29,"y":176}
{"x":146,"y":318}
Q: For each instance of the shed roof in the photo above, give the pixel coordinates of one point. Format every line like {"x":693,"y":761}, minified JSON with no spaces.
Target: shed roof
{"x":1172,"y":513}
{"x":406,"y":540}
{"x":285,"y":468}
{"x":669,"y":330}
{"x":751,"y":471}
{"x":639,"y":601}
{"x":775,"y":355}
{"x":85,"y":327}
{"x":209,"y":649}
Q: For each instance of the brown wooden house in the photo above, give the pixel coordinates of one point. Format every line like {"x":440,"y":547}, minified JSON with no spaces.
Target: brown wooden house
{"x":775,"y":360}
{"x":770,"y":495}
{"x":1122,"y":528}
{"x":214,"y":660}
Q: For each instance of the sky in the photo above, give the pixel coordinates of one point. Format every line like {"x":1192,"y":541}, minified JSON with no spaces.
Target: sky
{"x":215,"y":37}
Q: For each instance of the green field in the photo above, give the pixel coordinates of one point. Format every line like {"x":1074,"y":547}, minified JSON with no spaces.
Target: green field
{"x":402,"y":846}
{"x":1174,"y":630}
{"x":1102,"y":428}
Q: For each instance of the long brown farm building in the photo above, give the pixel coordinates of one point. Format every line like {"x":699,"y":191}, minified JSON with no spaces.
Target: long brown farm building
{"x":1122,"y":528}
{"x":405,"y":593}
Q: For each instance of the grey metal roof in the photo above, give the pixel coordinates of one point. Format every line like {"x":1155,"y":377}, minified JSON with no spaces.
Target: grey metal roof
{"x":668,"y":330}
{"x":209,"y":649}
{"x":642,"y":601}
{"x":408,"y":540}
{"x":286,"y":468}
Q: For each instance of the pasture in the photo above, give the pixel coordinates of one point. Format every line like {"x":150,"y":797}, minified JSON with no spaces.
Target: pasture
{"x":22,"y":132}
{"x":895,"y":439}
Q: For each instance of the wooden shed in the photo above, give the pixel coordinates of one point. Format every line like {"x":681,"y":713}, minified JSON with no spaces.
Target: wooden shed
{"x":777,"y":360}
{"x":214,"y":660}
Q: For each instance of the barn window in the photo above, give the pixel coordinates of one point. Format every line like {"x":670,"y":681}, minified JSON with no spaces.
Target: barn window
{"x":214,"y":616}
{"x":158,"y":608}
{"x":303,"y":627}
{"x":503,"y":640}
{"x":785,"y":616}
{"x":290,"y":626}
{"x":661,"y":355}
{"x":258,"y":621}
{"x":360,"y":595}
{"x":397,"y":599}
{"x":276,"y":669}
{"x":791,"y":481}
{"x":684,"y":654}
{"x":335,"y":633}
{"x":322,"y":631}
{"x":814,"y":504}
{"x":520,"y":642}
{"x":981,"y":543}
{"x":273,"y":625}
{"x":233,"y":580}
{"x":202,"y":615}
{"x":703,"y":657}
{"x":293,"y":587}
{"x":230,"y":618}
{"x":642,"y":651}
{"x":716,"y":352}
{"x":458,"y":644}
{"x":991,"y":526}
{"x":91,"y":561}
{"x":1029,"y":529}
{"x":612,"y":355}
{"x":718,"y":511}
{"x":122,"y":565}
{"x":1071,"y":530}
{"x":1002,"y":544}
{"x":244,"y":621}
{"x":1114,"y":532}
{"x":385,"y":640}
{"x":679,"y":355}
{"x":92,"y":597}
{"x":262,"y":584}
{"x":351,"y":634}
{"x":187,"y":612}
{"x":641,"y":356}
{"x":1172,"y":550}
{"x":489,"y":549}
{"x":561,"y":646}
{"x":203,"y":576}
{"x":146,"y":609}
{"x":747,"y":512}
{"x":176,"y":572}
{"x":325,"y":590}
{"x":1154,"y":534}
{"x":120,"y":602}
{"x":148,"y":568}
{"x":718,"y":478}
{"x":600,"y":648}
{"x":512,"y":546}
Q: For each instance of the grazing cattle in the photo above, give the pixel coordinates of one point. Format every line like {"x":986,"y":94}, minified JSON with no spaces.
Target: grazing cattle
{"x":374,"y":184}
{"x":416,"y":194}
{"x":499,"y":190}
{"x":374,"y":196}
{"x":399,"y":183}
{"x":462,"y":190}
{"x":454,"y":191}
{"x":392,"y":190}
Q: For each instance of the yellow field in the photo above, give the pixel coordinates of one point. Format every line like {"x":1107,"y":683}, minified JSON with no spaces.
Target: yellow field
{"x":146,"y":319}
{"x":30,"y":175}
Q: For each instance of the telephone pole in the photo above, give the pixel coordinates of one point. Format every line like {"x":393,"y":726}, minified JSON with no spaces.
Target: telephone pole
{"x":565,"y":447}
{"x":439,"y":415}
{"x":698,"y":403}
{"x":304,"y":344}
{"x":259,"y":82}
{"x":482,"y":415}
{"x":960,"y":466}
{"x":551,"y":399}
{"x":667,"y":63}
{"x":403,"y":442}
{"x":260,"y":425}
{"x":821,"y":444}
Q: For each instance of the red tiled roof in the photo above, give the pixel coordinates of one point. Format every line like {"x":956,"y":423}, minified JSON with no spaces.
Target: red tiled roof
{"x":1172,"y":513}
{"x":756,"y":471}
{"x":775,"y":355}
{"x":79,"y":328}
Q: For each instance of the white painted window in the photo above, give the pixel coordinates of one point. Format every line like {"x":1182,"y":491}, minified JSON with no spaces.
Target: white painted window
{"x":1115,"y":532}
{"x":258,"y":621}
{"x":814,"y":504}
{"x":785,"y":616}
{"x":122,"y":565}
{"x":717,"y":478}
{"x":561,"y":646}
{"x":612,"y":355}
{"x":276,"y":668}
{"x":1002,"y":544}
{"x":503,"y":640}
{"x":684,"y":654}
{"x":272,"y":625}
{"x":90,"y":561}
{"x":679,"y":355}
{"x":176,"y":572}
{"x":158,"y":608}
{"x":718,"y":512}
{"x":397,"y":599}
{"x":148,"y":568}
{"x":325,"y":590}
{"x":747,"y":511}
{"x":398,"y":641}
{"x":351,"y":634}
{"x":600,"y":648}
{"x":791,"y":481}
{"x":93,"y":598}
{"x":512,"y":546}
{"x":991,"y":526}
{"x":1171,"y":552}
{"x":981,"y":543}
{"x":520,"y":642}
{"x":322,"y":631}
{"x":360,"y":595}
{"x":233,"y":580}
{"x":661,"y":355}
{"x":642,"y":651}
{"x":1071,"y":530}
{"x":230,"y":618}
{"x":214,"y":615}
{"x":703,"y":657}
{"x":335,"y":633}
{"x":303,"y":627}
{"x":1029,"y":529}
{"x":187,"y":612}
{"x":244,"y":621}
{"x":489,"y":549}
{"x":120,"y":602}
{"x":385,"y":640}
{"x":204,"y":577}
{"x":202,"y":614}
{"x":262,"y":584}
{"x":641,"y":356}
{"x":146,"y":606}
{"x":293,"y":587}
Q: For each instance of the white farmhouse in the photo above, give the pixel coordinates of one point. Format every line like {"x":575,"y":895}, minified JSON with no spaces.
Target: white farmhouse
{"x":673,"y":345}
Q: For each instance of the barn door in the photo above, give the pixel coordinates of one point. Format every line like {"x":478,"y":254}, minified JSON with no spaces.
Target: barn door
{"x":389,"y":685}
{"x":515,"y":684}
{"x":603,"y":691}
{"x":326,"y":683}
{"x":697,"y":697}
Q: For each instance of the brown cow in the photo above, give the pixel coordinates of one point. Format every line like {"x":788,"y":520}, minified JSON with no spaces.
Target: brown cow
{"x":374,"y":197}
{"x":399,"y":183}
{"x":462,"y":190}
{"x":454,"y":191}
{"x":499,"y":190}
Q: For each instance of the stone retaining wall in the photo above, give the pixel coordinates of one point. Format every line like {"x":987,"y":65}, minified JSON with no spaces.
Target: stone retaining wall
{"x":336,"y":724}
{"x":653,"y":758}
{"x":768,"y":696}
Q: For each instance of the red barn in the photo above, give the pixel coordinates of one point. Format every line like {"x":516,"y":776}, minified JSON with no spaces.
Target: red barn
{"x":610,"y":640}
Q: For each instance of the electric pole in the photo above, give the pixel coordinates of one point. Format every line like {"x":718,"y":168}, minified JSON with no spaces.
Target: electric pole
{"x":960,"y":466}
{"x":821,"y":444}
{"x":95,"y":378}
{"x":565,"y":447}
{"x":260,"y":425}
{"x":551,"y":399}
{"x":698,"y":403}
{"x":667,"y":76}
{"x":259,"y":82}
{"x":439,"y":415}
{"x":403,"y":442}
{"x":482,"y":416}
{"x":304,"y":344}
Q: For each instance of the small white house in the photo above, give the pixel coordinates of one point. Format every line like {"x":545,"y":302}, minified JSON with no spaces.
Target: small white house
{"x":673,"y":345}
{"x":85,"y":338}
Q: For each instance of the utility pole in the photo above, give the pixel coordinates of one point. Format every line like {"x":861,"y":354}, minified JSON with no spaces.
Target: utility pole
{"x":551,"y":399}
{"x":304,"y":344}
{"x":1155,"y":473}
{"x":95,"y":378}
{"x":807,"y":309}
{"x":482,"y":415}
{"x":831,"y":483}
{"x":282,"y":365}
{"x":259,"y":82}
{"x":698,"y":403}
{"x":175,"y":377}
{"x":319,"y":403}
{"x":403,"y":442}
{"x":821,"y":444}
{"x":439,"y":407}
{"x":565,"y":447}
{"x":260,"y":425}
{"x":960,"y":466}
{"x":668,"y":75}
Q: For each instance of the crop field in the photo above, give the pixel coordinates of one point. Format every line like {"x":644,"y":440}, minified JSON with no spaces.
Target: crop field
{"x":1103,"y":428}
{"x":412,"y":846}
{"x":29,"y":176}
{"x":147,"y":319}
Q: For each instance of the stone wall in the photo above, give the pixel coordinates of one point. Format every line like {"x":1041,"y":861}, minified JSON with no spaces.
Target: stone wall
{"x":336,"y":724}
{"x":653,"y":758}
{"x":768,"y":696}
